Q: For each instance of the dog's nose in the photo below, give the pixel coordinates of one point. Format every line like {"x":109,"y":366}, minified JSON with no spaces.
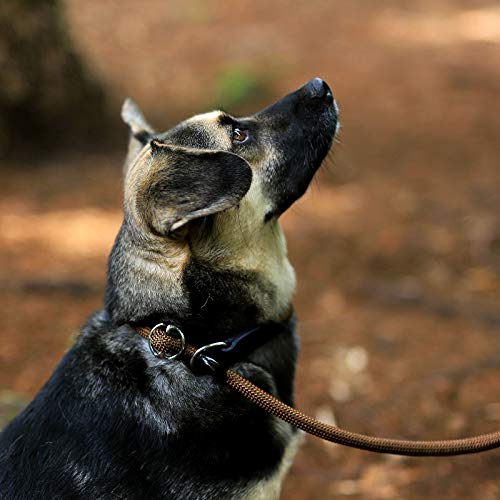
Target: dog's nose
{"x":319,"y":89}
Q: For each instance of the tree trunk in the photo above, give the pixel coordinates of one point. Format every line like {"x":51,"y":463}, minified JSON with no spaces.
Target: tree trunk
{"x":47,"y":97}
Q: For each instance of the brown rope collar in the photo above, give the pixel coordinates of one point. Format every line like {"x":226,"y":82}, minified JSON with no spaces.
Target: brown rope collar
{"x":168,"y":342}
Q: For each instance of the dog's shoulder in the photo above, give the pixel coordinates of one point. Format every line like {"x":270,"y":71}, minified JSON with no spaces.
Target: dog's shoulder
{"x":111,"y":411}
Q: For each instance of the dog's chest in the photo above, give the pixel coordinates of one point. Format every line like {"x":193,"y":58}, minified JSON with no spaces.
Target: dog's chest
{"x":270,"y":488}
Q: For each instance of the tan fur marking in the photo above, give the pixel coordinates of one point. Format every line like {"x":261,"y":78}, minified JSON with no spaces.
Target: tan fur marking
{"x":210,"y":122}
{"x":241,"y":241}
{"x":157,"y":256}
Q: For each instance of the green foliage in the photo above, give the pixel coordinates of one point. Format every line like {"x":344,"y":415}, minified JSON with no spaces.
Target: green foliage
{"x":239,"y":89}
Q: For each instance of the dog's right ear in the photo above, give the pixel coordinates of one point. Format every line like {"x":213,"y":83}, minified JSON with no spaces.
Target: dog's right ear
{"x":141,"y":132}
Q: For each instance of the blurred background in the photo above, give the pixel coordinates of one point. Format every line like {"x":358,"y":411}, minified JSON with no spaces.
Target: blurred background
{"x":396,"y":245}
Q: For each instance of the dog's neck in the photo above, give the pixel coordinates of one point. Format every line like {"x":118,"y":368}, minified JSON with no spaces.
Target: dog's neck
{"x":149,"y":279}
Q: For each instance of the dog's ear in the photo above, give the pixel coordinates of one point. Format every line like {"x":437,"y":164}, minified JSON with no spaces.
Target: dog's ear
{"x":188,"y":183}
{"x":141,"y":132}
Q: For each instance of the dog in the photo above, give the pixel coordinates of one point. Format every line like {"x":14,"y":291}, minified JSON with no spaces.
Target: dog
{"x":200,"y":248}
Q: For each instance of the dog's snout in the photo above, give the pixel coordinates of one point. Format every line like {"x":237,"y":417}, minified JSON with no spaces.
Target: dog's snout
{"x":319,"y":89}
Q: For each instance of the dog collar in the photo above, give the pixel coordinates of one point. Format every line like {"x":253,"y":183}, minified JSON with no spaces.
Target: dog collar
{"x":213,"y":357}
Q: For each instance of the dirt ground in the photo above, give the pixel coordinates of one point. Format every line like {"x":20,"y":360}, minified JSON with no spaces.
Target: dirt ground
{"x":396,"y":245}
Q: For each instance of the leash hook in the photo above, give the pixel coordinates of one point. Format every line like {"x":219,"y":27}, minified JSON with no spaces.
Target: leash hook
{"x":209,"y":362}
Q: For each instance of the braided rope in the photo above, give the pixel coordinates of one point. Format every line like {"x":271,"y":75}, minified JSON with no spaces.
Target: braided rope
{"x":164,"y":343}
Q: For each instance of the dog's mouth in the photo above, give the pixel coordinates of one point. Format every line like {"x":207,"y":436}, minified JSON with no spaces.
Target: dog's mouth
{"x":308,"y":121}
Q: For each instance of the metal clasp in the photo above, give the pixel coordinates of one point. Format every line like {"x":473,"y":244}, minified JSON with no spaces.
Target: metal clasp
{"x":209,"y":362}
{"x":169,"y":329}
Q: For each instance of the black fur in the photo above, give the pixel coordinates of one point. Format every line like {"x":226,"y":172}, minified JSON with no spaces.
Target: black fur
{"x":303,"y":135}
{"x":114,"y":422}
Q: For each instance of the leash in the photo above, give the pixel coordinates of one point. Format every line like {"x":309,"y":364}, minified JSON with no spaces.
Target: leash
{"x":165,"y":339}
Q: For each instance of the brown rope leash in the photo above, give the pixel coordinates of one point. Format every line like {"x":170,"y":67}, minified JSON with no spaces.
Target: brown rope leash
{"x":161,"y":343}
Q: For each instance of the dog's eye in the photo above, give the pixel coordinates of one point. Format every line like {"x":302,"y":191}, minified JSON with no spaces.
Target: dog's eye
{"x":239,"y":135}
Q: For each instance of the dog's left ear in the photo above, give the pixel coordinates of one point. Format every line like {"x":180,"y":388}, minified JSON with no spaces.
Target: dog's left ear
{"x":191,"y":183}
{"x":141,"y":132}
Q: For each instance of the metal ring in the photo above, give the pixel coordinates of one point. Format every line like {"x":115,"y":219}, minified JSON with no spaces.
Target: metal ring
{"x":168,"y":329}
{"x":203,"y":349}
{"x":172,"y":328}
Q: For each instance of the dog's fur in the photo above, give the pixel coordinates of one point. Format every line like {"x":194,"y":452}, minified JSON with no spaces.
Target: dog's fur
{"x":200,"y":247}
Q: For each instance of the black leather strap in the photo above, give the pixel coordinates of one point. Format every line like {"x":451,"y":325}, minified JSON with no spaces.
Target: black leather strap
{"x":221,"y":355}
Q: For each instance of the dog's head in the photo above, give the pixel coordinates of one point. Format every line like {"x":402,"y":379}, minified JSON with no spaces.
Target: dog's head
{"x":209,"y":191}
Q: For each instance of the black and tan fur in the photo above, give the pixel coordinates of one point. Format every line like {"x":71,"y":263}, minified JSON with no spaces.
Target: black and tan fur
{"x":200,"y":247}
